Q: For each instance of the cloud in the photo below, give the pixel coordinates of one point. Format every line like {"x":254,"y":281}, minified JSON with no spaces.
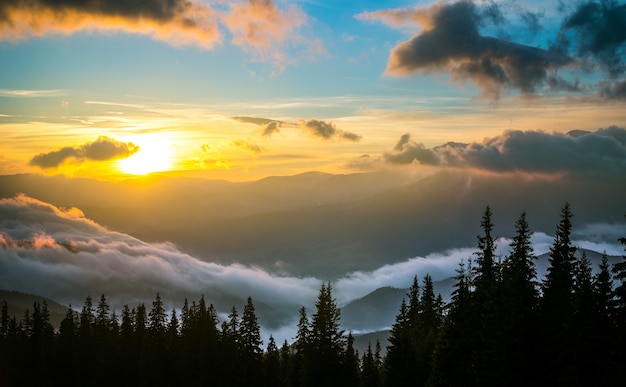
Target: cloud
{"x":408,"y":151}
{"x":177,"y":22}
{"x":451,"y":38}
{"x":11,"y":93}
{"x":327,"y":131}
{"x":613,"y":90}
{"x":260,"y":26}
{"x":450,"y":42}
{"x":103,"y":149}
{"x":271,"y":128}
{"x":253,"y":120}
{"x":248,"y":146}
{"x":257,"y":26}
{"x":602,"y":152}
{"x":267,"y":125}
{"x":59,"y":253}
{"x":317,"y":128}
{"x":596,"y":29}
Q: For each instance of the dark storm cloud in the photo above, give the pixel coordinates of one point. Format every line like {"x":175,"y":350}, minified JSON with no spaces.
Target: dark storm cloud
{"x":104,"y":148}
{"x":327,"y":131}
{"x":592,"y":37}
{"x":452,"y":43}
{"x":596,"y":29}
{"x":599,"y":153}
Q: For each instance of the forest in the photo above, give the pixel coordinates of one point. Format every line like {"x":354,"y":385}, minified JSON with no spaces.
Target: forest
{"x":502,"y":327}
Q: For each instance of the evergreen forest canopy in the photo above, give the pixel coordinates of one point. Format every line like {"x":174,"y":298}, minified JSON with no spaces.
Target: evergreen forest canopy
{"x":502,"y":327}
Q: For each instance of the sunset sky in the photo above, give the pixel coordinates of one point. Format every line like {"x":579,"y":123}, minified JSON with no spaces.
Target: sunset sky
{"x":240,"y":90}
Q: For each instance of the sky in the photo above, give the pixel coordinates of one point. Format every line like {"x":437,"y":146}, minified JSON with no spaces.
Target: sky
{"x":240,"y":90}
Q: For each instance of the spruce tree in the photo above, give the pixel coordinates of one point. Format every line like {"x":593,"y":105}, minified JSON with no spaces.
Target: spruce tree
{"x":86,"y":356}
{"x":425,"y":332}
{"x":67,"y":346}
{"x":271,"y":365}
{"x":327,"y":340}
{"x":619,"y":314}
{"x":486,"y":309}
{"x":582,"y":368}
{"x":300,"y":369}
{"x":556,"y":304}
{"x":520,"y":297}
{"x":250,"y":346}
{"x":369,"y":372}
{"x":350,"y":363}
{"x":452,"y":360}
{"x":400,"y":360}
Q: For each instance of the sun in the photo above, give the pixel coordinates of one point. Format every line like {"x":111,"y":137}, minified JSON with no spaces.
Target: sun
{"x":154,"y":155}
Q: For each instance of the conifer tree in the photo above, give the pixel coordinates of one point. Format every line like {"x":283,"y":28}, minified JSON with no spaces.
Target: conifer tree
{"x":520,"y":297}
{"x":452,"y":360}
{"x":400,"y":360}
{"x":485,"y":278}
{"x":370,"y":372}
{"x":327,"y":340}
{"x":103,"y":339}
{"x":556,"y":304}
{"x":128,"y":360}
{"x":156,"y":361}
{"x":250,"y":346}
{"x":271,"y":365}
{"x":250,"y":331}
{"x":157,"y":319}
{"x":286,"y":365}
{"x":603,"y":289}
{"x":300,"y":368}
{"x":350,"y":363}
{"x":67,"y":346}
{"x":425,"y":331}
{"x":4,"y":320}
{"x":85,"y":335}
{"x":619,"y":314}
{"x":605,"y":329}
{"x":582,"y":368}
{"x":486,"y":309}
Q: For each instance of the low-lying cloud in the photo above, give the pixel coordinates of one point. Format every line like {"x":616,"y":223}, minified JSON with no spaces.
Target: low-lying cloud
{"x":59,"y":253}
{"x":103,"y":149}
{"x":598,"y":153}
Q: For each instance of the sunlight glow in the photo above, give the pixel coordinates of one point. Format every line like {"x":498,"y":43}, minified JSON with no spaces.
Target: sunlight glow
{"x":154,"y":155}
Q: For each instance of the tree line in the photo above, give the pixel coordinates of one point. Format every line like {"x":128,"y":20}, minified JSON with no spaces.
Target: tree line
{"x":502,"y":327}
